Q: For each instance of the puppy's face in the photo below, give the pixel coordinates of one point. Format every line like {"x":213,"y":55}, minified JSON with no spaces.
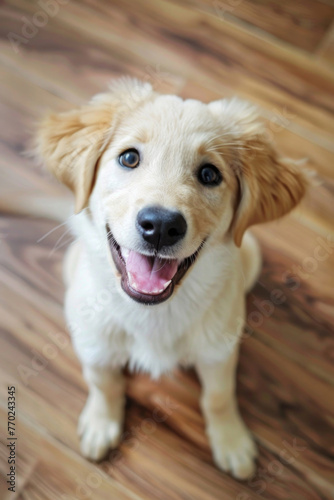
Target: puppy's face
{"x":163,"y":191}
{"x":169,"y":177}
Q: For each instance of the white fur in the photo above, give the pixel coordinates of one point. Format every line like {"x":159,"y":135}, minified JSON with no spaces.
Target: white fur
{"x":200,"y":325}
{"x":115,"y":329}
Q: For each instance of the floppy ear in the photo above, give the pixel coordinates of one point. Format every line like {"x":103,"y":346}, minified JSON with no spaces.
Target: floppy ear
{"x":269,"y":185}
{"x":72,"y":142}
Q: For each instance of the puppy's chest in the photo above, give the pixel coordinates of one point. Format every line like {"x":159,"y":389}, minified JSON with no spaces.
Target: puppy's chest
{"x":158,"y":337}
{"x":155,"y":338}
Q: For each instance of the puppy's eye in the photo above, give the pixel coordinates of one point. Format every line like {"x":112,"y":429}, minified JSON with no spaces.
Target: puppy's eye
{"x":209,"y":175}
{"x":130,"y":158}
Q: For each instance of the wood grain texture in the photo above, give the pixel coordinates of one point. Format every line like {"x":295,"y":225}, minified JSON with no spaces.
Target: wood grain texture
{"x":188,"y":45}
{"x":286,"y":370}
{"x":325,"y":49}
{"x":299,"y":23}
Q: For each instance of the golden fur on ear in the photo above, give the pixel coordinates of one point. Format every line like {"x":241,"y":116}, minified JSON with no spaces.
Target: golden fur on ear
{"x":72,"y":142}
{"x":269,"y":186}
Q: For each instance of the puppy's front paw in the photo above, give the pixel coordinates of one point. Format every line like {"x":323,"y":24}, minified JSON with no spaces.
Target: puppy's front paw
{"x":99,"y":430}
{"x":233,"y":448}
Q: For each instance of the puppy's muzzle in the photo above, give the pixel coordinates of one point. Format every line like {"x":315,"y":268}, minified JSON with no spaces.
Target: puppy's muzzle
{"x":161,"y":227}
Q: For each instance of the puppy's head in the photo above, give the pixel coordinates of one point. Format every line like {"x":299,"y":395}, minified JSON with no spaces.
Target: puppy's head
{"x":164,"y":177}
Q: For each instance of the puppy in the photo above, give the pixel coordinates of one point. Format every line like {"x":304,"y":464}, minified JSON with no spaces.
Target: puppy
{"x":165,"y":190}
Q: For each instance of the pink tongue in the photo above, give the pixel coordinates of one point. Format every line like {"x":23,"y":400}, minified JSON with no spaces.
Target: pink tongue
{"x":149,"y":274}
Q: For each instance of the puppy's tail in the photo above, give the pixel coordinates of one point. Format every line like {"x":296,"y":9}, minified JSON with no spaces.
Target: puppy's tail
{"x":251,"y":260}
{"x":57,"y":208}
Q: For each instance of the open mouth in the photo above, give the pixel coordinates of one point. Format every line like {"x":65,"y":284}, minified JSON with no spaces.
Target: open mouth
{"x":148,"y":280}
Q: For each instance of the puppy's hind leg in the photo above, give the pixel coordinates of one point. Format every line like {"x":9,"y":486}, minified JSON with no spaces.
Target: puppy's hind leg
{"x":101,"y":421}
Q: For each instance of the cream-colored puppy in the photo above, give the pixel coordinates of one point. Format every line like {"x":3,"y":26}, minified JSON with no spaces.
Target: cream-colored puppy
{"x":165,"y":189}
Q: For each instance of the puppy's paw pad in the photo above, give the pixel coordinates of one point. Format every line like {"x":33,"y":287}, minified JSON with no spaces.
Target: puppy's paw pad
{"x":235,"y":453}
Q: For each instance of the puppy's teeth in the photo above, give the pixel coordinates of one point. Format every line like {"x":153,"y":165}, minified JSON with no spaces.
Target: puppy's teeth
{"x":131,"y":281}
{"x":166,"y":285}
{"x":125,"y":253}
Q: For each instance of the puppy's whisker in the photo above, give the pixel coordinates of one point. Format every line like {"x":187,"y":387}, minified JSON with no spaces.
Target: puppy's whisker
{"x":51,"y":231}
{"x":69,"y":240}
{"x":222,"y":147}
{"x":57,"y":246}
{"x":59,"y":225}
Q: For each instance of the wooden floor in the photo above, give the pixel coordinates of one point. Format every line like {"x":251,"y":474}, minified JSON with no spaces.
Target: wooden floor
{"x":276,"y":53}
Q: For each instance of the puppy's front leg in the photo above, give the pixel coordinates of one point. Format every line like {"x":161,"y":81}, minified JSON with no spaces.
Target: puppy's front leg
{"x":232,"y":445}
{"x":101,"y":421}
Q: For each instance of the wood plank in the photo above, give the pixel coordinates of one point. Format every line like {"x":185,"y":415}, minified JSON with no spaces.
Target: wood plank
{"x":23,"y":179}
{"x":301,"y":24}
{"x":55,"y":472}
{"x":325,"y":49}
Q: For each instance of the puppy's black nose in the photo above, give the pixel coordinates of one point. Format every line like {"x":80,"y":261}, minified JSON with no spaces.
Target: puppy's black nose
{"x":161,"y":227}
